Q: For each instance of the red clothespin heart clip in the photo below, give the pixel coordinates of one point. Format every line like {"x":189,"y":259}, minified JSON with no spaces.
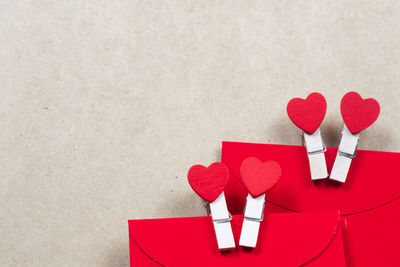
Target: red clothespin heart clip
{"x":308,"y":114}
{"x":258,"y":177}
{"x":358,"y":114}
{"x":209,"y":184}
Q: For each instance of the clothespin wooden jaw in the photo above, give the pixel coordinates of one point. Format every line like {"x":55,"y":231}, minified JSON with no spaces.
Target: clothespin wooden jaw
{"x":346,"y":152}
{"x":253,"y":215}
{"x":315,"y":152}
{"x":221,"y":221}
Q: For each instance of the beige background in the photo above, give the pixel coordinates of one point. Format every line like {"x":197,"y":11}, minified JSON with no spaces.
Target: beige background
{"x":104,"y":105}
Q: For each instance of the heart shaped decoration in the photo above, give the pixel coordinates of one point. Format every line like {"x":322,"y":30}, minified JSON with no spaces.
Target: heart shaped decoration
{"x":209,"y":182}
{"x":307,"y":113}
{"x":259,"y":177}
{"x":358,"y":114}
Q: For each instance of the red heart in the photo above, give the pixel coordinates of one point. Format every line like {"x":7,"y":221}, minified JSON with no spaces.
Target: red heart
{"x":209,"y":182}
{"x":259,"y":177}
{"x":358,"y":113}
{"x":307,"y":113}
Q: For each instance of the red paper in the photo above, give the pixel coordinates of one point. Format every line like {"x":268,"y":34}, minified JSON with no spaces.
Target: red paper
{"x":369,"y":201}
{"x":285,"y":239}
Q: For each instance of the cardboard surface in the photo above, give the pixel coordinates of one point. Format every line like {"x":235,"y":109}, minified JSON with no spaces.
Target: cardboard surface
{"x":104,"y":105}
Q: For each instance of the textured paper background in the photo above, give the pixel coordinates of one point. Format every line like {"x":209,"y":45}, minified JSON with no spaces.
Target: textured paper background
{"x":104,"y":105}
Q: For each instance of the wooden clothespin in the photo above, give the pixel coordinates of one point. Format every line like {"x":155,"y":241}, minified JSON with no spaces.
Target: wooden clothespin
{"x":209,"y":184}
{"x":308,"y":114}
{"x":358,"y":114}
{"x":258,"y":178}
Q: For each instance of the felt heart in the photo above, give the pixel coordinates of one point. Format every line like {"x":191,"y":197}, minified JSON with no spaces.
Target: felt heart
{"x":358,"y":113}
{"x":209,"y":182}
{"x":259,"y":177}
{"x":307,"y":113}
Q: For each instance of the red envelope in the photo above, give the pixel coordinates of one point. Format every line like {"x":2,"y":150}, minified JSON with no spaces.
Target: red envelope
{"x":285,"y":239}
{"x":369,"y":200}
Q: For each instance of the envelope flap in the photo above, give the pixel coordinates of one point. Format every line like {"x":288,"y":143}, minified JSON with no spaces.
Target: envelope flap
{"x":285,"y":239}
{"x":373,"y":179}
